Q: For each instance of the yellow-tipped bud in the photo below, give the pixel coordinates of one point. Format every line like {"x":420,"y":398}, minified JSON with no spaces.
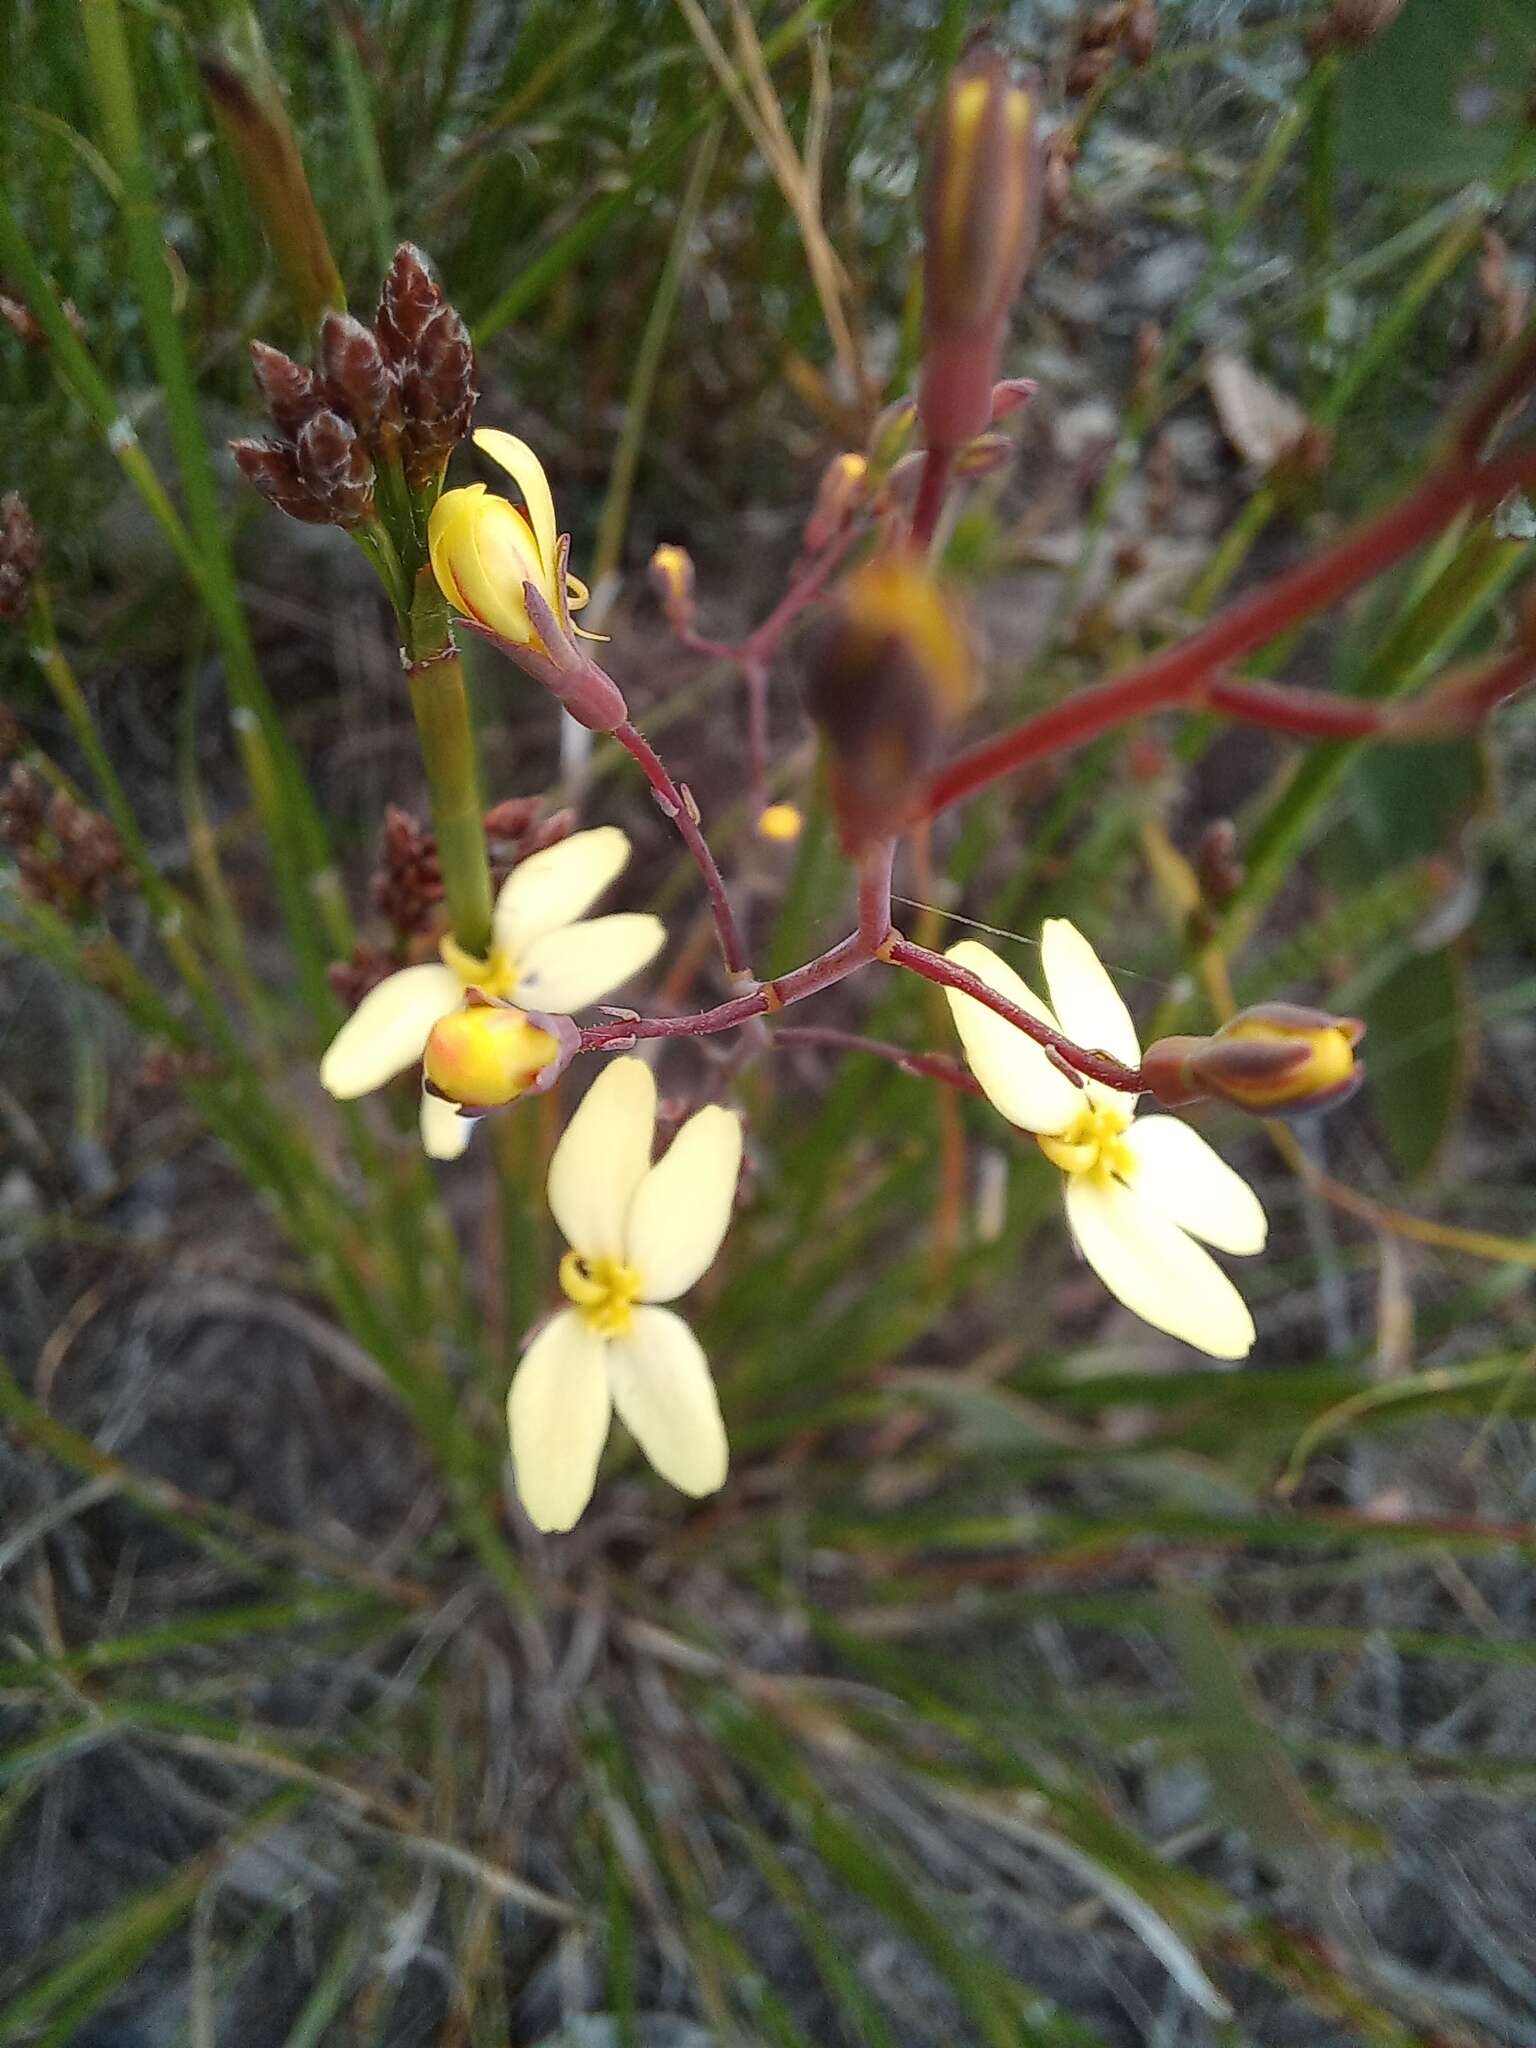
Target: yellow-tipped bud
{"x":485,"y":1055}
{"x":483,"y":552}
{"x":981,"y":222}
{"x":842,"y":485}
{"x":780,"y":822}
{"x":1276,"y":1059}
{"x":892,"y":671}
{"x":671,"y":572}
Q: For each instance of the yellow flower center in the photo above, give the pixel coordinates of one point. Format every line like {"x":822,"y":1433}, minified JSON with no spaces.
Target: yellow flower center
{"x":1094,"y":1143}
{"x":494,"y":974}
{"x":604,"y":1290}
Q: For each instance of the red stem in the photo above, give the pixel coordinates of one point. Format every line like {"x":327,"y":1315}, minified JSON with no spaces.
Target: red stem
{"x":931,"y":488}
{"x":1176,"y":676}
{"x":754,"y":674}
{"x":678,"y":806}
{"x":1091,"y":1066}
{"x":928,"y":1066}
{"x":1311,"y":714}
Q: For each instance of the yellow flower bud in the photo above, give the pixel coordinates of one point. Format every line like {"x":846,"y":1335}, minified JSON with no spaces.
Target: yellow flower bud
{"x":486,"y":1054}
{"x":1274,"y":1059}
{"x":780,"y":822}
{"x":483,"y":552}
{"x":842,"y":485}
{"x":891,"y":672}
{"x":672,"y":581}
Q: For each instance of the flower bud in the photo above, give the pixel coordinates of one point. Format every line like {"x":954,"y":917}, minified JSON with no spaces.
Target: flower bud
{"x":357,"y":378}
{"x":409,"y":298}
{"x":781,"y":823}
{"x":273,"y":468}
{"x":842,"y":485}
{"x":335,"y":465}
{"x":891,"y":435}
{"x":891,"y":672}
{"x":1011,"y":396}
{"x":981,"y":221}
{"x":1275,"y":1059}
{"x":671,"y":576}
{"x":486,"y":1054}
{"x":437,"y":394}
{"x":20,"y":552}
{"x":290,"y":393}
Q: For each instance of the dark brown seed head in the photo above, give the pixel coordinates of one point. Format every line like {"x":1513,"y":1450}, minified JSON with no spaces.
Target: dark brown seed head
{"x":290,"y":393}
{"x":20,"y":552}
{"x":358,"y":380}
{"x":337,"y":467}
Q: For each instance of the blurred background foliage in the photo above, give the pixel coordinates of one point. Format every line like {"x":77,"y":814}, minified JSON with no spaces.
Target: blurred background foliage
{"x":1030,"y":1683}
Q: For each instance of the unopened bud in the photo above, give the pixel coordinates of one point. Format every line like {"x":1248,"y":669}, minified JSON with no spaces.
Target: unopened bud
{"x":981,"y":457}
{"x":1011,"y":396}
{"x":357,"y":378}
{"x":20,"y":553}
{"x":486,"y":1054}
{"x":273,"y":468}
{"x":437,"y":394}
{"x":891,"y":672}
{"x":891,"y":436}
{"x":981,"y":222}
{"x":336,"y":466}
{"x":1217,"y":868}
{"x":671,"y":576}
{"x":842,"y":485}
{"x":1350,"y":24}
{"x":511,"y":818}
{"x":290,"y":393}
{"x":410,"y":296}
{"x":1276,"y":1059}
{"x":781,"y":823}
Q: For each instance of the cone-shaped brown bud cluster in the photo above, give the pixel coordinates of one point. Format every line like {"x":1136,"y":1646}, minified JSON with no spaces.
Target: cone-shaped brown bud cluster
{"x":404,"y":388}
{"x":981,"y":223}
{"x":20,"y":552}
{"x":67,"y":856}
{"x":407,"y":885}
{"x":889,"y":674}
{"x":1275,"y":1059}
{"x":1123,"y":27}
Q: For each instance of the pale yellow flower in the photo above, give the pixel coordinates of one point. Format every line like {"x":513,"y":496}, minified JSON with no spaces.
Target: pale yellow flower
{"x":1139,"y":1191}
{"x":544,"y":956}
{"x":639,"y":1235}
{"x":484,"y":549}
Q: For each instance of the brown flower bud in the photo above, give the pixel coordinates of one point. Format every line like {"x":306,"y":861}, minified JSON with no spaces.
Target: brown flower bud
{"x":410,"y":296}
{"x":1140,"y":40}
{"x":357,"y":378}
{"x":891,"y":672}
{"x":1350,"y":24}
{"x":23,"y":805}
{"x":20,"y":552}
{"x":512,"y":817}
{"x":981,"y":222}
{"x":273,"y":468}
{"x":1217,"y":868}
{"x":1011,"y":396}
{"x":437,"y":394}
{"x":336,"y":466}
{"x":407,"y":885}
{"x":1275,"y":1059}
{"x":290,"y":393}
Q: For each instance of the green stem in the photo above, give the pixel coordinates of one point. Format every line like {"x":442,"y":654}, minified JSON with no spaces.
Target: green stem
{"x":440,"y":702}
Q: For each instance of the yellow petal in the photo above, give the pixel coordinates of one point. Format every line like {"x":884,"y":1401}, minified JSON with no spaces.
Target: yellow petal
{"x":566,"y":970}
{"x":1161,"y":1275}
{"x":527,"y":472}
{"x":602,"y":1158}
{"x":444,"y":1133}
{"x":555,"y":886}
{"x":446,"y":526}
{"x":1087,"y":1004}
{"x":483,"y":556}
{"x":683,"y":1206}
{"x":1018,"y":1078}
{"x":388,"y":1030}
{"x":1177,"y":1172}
{"x":557,"y":1417}
{"x":667,"y":1401}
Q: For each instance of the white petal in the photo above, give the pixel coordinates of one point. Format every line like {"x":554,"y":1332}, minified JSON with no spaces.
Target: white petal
{"x":1179,"y":1174}
{"x":1019,"y":1079}
{"x":557,"y":1416}
{"x":683,"y":1206}
{"x":1088,"y":1006}
{"x":1160,"y":1274}
{"x":567,"y":969}
{"x":389,"y":1029}
{"x":602,"y":1157}
{"x":527,"y":472}
{"x":444,"y":1133}
{"x":666,"y":1399}
{"x":551,"y":888}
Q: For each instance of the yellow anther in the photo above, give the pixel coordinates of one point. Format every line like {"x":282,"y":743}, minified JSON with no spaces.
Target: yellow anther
{"x":604,"y":1290}
{"x":1093,"y":1143}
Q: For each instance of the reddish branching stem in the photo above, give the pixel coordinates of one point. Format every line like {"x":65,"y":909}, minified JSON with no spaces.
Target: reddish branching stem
{"x":924,"y":1066}
{"x":677,"y":804}
{"x":1179,"y":676}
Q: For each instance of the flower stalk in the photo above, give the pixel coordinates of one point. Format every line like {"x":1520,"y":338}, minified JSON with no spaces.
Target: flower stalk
{"x":440,"y":706}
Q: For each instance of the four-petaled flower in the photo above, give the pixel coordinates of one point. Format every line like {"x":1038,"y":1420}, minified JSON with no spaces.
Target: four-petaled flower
{"x":1139,"y":1191}
{"x":639,"y":1235}
{"x":544,"y":957}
